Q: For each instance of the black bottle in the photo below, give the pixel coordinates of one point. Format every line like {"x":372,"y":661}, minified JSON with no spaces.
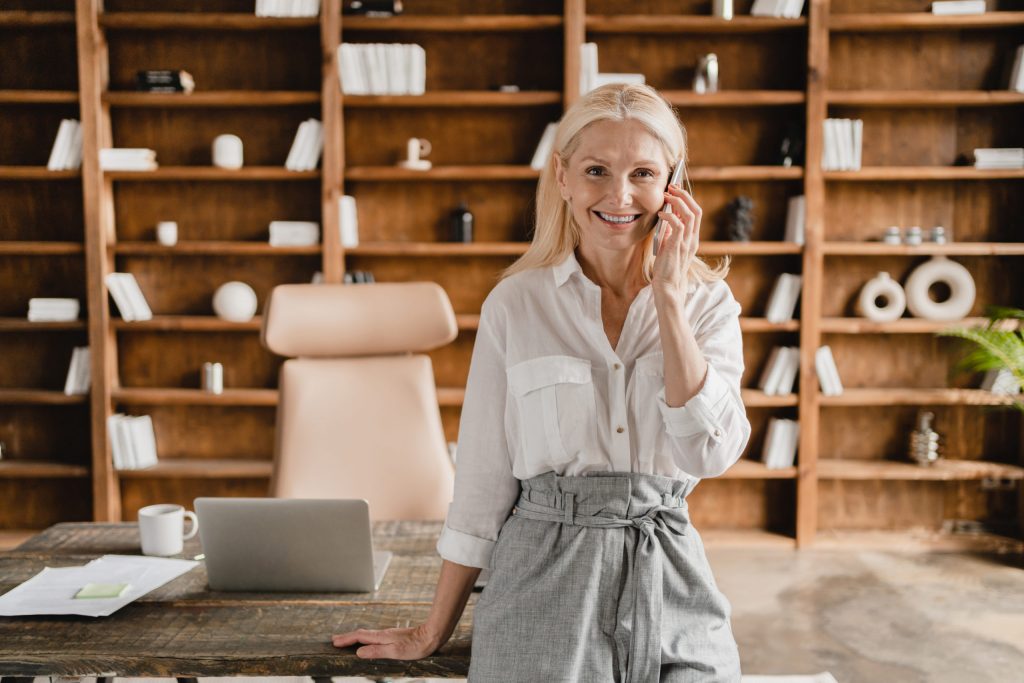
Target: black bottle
{"x":462,"y":224}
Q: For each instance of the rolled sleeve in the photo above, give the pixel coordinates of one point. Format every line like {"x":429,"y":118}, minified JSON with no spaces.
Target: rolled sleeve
{"x":702,"y":413}
{"x":465,"y":549}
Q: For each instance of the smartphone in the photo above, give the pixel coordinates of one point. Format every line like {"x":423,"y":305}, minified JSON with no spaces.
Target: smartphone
{"x":675,"y":179}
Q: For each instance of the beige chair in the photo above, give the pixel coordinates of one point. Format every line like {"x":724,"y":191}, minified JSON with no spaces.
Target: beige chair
{"x":358,"y":414}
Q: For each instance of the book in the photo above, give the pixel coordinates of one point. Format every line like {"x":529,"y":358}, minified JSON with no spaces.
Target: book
{"x":780,"y":443}
{"x":382,"y":68}
{"x":60,"y":152}
{"x":790,"y":367}
{"x":164,"y":80}
{"x":287,"y":8}
{"x":307,"y":145}
{"x":132,"y":441}
{"x":955,"y":7}
{"x":588,"y":67}
{"x":348,"y":222}
{"x":772,"y":372}
{"x":999,"y":157}
{"x":127,"y":159}
{"x":827,"y":372}
{"x":546,"y":145}
{"x":858,"y":142}
{"x":131,"y":303}
{"x":1017,"y":71}
{"x":796,"y":217}
{"x":782,"y":300}
{"x":294,"y":233}
{"x":78,"y":379}
{"x":606,"y":78}
{"x":42,"y":309}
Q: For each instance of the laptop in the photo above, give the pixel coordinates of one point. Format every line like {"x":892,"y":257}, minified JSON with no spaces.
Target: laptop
{"x":293,"y":545}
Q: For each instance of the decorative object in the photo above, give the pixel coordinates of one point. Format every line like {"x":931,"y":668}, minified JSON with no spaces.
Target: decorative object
{"x":998,"y":346}
{"x":791,"y":150}
{"x":372,"y":8}
{"x":462,"y":224}
{"x":415,"y":149}
{"x":938,"y":235}
{"x":227,"y":151}
{"x":952,"y":274}
{"x":924,"y":441}
{"x":164,"y":80}
{"x":167,"y":233}
{"x":912,"y":236}
{"x":882,"y":288}
{"x":705,"y":79}
{"x":213,"y":378}
{"x":722,"y":9}
{"x":235,"y":302}
{"x":739,"y":218}
{"x":348,"y":223}
{"x":892,"y":235}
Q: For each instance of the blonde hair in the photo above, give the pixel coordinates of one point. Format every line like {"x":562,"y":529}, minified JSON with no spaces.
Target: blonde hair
{"x":556,"y":233}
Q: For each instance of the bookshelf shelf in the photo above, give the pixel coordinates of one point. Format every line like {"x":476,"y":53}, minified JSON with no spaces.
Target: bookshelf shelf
{"x":20,"y":18}
{"x":38,"y":469}
{"x":455,"y":98}
{"x":23,"y":325}
{"x":213,"y":248}
{"x":42,"y":248}
{"x":214,"y":21}
{"x":206,"y":468}
{"x":438,"y":249}
{"x":186,"y":323}
{"x":915,"y":397}
{"x":739,"y":173}
{"x":38,"y":97}
{"x":924,"y":98}
{"x":892,"y":470}
{"x":453,"y":24}
{"x":39,"y":397}
{"x":481,"y":172}
{"x":196,"y":397}
{"x":222,"y":98}
{"x":925,"y":249}
{"x":754,"y":325}
{"x":165,"y":173}
{"x":735,"y":98}
{"x":752,"y":469}
{"x":670,"y":23}
{"x":924,"y":173}
{"x":36,"y":173}
{"x":902,"y":326}
{"x":921,"y":21}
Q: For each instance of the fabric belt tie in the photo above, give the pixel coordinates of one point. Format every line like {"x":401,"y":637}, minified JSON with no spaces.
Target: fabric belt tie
{"x":672,"y":516}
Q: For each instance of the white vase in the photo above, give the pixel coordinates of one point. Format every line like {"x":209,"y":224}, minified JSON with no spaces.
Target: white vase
{"x":235,"y":301}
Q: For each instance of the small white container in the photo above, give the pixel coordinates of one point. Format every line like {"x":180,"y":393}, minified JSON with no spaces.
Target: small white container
{"x":167,"y":233}
{"x":227,"y":151}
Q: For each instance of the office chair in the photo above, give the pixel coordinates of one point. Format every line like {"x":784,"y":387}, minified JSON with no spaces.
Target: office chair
{"x":357,"y":414}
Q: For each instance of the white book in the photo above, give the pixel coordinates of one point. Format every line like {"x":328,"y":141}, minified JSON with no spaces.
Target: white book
{"x":349,"y":72}
{"x":858,"y":142}
{"x":418,"y":84}
{"x":66,"y":152}
{"x":57,"y":151}
{"x":827,"y":152}
{"x":131,"y":454}
{"x":790,"y":366}
{"x":348,"y":221}
{"x":363,"y":57}
{"x":143,"y":440}
{"x":309,"y":155}
{"x":74,"y":161}
{"x":772,"y":372}
{"x":828,"y":373}
{"x":782,"y":301}
{"x":76,"y":382}
{"x":294,"y":233}
{"x":1017,"y":72}
{"x":846,"y":144}
{"x":52,"y":310}
{"x":606,"y":78}
{"x":546,"y":145}
{"x":775,"y":443}
{"x":1000,"y":381}
{"x":291,"y":163}
{"x":380,"y":51}
{"x":116,"y":450}
{"x":792,"y":433}
{"x":396,"y":69}
{"x":763,"y":8}
{"x":588,"y":67}
{"x":131,"y":303}
{"x":954,"y":7}
{"x":796,"y":218}
{"x":374,"y":79}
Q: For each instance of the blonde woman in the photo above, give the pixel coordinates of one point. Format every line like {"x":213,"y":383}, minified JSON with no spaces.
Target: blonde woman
{"x":604,"y":384}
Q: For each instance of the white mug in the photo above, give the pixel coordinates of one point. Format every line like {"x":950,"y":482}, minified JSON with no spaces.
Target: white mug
{"x":167,"y":233}
{"x":227,"y":151}
{"x":162,"y":529}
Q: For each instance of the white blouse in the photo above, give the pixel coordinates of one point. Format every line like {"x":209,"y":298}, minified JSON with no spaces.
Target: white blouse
{"x":546,"y":392}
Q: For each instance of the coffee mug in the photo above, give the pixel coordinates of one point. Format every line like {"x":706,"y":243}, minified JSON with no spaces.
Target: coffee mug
{"x":167,"y":233}
{"x":162,"y":529}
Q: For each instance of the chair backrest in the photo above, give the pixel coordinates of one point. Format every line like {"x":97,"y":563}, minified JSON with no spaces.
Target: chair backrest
{"x":357,"y":415}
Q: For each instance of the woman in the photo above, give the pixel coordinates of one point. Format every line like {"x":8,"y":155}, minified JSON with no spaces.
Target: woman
{"x":604,"y":385}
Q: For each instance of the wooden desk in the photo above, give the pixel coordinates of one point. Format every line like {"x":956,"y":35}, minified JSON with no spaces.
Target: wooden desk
{"x":184,"y":629}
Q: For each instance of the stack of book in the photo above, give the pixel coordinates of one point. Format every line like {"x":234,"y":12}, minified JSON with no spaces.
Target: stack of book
{"x":132,"y":441}
{"x":789,"y":9}
{"x":591,"y":78}
{"x":127,"y":159}
{"x":948,"y":8}
{"x":545,"y":147}
{"x":294,"y":233}
{"x":79,"y":372}
{"x":1001,"y":381}
{"x":779,"y":373}
{"x":999,"y":157}
{"x":1017,"y":71}
{"x":358,"y":277}
{"x":780,"y":443}
{"x":348,"y":223}
{"x":843,"y":141}
{"x":828,"y":373}
{"x":796,"y":218}
{"x":129,"y":299}
{"x":287,"y":8}
{"x":782,"y":301}
{"x":382,"y":69}
{"x":66,"y":154}
{"x":306,"y":147}
{"x":52,"y":310}
{"x":165,"y":80}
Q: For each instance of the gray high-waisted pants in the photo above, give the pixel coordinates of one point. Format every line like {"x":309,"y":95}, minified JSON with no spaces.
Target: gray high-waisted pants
{"x":602,"y":578}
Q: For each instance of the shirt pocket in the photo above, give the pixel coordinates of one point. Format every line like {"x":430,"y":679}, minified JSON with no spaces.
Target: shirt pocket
{"x":648,"y":380}
{"x":557,"y":408}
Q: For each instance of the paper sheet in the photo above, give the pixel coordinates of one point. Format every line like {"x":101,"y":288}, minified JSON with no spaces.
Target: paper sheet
{"x":52,"y":591}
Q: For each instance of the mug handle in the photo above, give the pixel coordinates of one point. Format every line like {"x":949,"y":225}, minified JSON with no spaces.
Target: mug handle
{"x":195,"y":525}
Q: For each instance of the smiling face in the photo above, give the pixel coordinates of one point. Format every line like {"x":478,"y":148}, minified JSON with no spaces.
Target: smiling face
{"x":615,"y":182}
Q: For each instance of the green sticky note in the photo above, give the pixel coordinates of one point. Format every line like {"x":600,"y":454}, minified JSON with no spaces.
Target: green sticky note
{"x":101,"y":590}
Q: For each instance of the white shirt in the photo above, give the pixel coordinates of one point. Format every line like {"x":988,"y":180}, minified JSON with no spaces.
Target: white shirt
{"x":546,"y":392}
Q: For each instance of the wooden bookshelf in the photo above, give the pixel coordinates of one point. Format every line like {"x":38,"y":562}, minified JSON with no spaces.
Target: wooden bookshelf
{"x":851,"y":486}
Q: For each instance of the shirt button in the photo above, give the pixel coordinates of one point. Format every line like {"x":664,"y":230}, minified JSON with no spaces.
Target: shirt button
{"x":617,"y":366}
{"x":718,"y":432}
{"x":620,"y":429}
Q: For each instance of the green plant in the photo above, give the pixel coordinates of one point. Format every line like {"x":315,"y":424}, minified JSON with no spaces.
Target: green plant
{"x":996,"y":346}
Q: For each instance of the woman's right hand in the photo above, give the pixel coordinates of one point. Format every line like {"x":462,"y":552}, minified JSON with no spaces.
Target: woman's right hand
{"x":391,"y":643}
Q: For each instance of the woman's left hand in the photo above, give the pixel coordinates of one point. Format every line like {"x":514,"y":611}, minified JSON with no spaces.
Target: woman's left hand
{"x":679,"y":239}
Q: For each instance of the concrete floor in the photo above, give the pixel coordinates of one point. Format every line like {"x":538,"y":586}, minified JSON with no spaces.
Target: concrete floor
{"x":874,"y":615}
